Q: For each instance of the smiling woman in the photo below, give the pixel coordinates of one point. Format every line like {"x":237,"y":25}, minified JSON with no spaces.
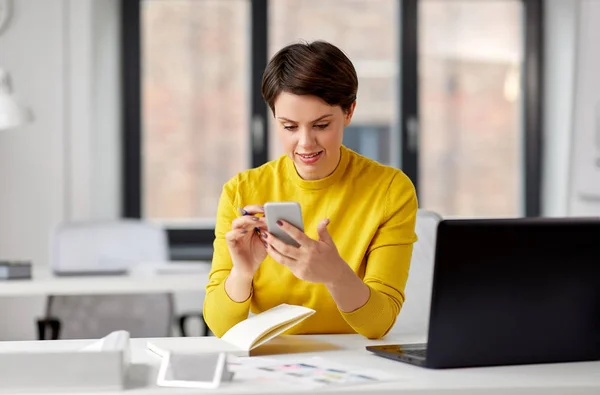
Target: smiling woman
{"x":353,"y":258}
{"x":313,"y":144}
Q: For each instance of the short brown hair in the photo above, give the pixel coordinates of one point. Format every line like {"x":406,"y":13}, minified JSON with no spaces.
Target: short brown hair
{"x":318,"y":68}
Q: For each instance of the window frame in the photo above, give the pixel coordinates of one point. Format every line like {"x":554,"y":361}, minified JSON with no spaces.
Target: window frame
{"x":196,"y":244}
{"x":533,"y":85}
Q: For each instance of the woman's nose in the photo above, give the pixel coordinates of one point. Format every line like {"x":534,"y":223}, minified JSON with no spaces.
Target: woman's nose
{"x":306,"y":138}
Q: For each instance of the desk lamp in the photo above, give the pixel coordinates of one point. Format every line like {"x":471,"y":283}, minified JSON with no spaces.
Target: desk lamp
{"x":12,"y":114}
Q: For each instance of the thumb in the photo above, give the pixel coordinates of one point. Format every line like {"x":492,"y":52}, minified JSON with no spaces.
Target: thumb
{"x":324,"y":235}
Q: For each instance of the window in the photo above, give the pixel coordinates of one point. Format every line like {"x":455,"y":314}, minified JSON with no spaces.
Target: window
{"x":195,"y":106}
{"x":445,"y":93}
{"x":368,"y":32}
{"x":470,"y":100}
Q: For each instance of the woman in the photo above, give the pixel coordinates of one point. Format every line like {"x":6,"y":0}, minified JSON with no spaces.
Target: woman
{"x":359,"y":216}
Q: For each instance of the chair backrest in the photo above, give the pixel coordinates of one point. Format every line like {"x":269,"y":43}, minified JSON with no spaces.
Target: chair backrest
{"x":414,"y":315}
{"x":110,"y":244}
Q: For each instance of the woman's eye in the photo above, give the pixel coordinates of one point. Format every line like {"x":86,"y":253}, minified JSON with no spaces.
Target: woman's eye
{"x":322,"y":126}
{"x":289,"y":127}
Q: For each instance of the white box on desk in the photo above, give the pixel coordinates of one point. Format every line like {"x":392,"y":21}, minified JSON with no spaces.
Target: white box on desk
{"x":50,"y":366}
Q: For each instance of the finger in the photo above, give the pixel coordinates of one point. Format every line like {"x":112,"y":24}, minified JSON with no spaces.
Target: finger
{"x":279,"y":257}
{"x":234,"y":236}
{"x":324,"y":235}
{"x":248,"y":222}
{"x":294,"y":232}
{"x":281,"y":247}
{"x":252,"y":209}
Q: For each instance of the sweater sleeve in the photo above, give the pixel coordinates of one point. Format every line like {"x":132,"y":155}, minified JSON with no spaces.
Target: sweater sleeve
{"x":220,"y":311}
{"x":388,"y":262}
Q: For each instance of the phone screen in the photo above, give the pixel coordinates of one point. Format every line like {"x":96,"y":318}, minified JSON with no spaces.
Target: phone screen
{"x":286,"y":211}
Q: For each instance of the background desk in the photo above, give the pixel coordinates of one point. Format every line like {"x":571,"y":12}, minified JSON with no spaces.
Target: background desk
{"x":142,"y":279}
{"x":186,"y":280}
{"x":548,"y":379}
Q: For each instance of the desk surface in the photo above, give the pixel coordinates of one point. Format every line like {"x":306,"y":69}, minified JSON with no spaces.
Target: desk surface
{"x":144,"y":278}
{"x":569,"y":378}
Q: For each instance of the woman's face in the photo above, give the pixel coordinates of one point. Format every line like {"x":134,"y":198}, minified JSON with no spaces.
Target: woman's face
{"x":311,"y":132}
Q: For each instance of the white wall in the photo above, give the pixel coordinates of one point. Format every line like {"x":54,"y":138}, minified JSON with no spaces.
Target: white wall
{"x":63,"y":59}
{"x":584,"y":197}
{"x":93,"y":109}
{"x":560,"y":38}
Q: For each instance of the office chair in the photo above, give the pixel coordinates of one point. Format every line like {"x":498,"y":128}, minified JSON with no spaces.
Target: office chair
{"x":94,"y":316}
{"x":414,"y":315}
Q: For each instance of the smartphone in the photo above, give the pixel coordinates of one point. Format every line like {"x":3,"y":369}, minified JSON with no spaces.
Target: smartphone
{"x":286,"y":211}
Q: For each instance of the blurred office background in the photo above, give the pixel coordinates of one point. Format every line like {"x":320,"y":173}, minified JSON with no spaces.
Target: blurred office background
{"x":144,"y":108}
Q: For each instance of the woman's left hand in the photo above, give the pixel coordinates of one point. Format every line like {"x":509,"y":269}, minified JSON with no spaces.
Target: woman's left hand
{"x":316,"y":261}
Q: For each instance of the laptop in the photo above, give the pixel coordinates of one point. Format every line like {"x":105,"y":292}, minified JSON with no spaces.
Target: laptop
{"x":509,"y":292}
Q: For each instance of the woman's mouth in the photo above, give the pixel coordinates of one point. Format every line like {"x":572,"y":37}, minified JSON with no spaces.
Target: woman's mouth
{"x":310,"y":158}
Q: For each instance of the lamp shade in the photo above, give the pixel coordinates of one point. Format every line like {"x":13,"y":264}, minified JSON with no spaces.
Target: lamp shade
{"x":11,"y":113}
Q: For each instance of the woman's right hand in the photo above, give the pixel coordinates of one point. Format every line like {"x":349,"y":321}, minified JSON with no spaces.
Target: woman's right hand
{"x":245,"y":245}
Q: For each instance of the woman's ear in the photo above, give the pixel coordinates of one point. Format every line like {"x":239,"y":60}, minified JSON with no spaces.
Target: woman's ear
{"x":349,"y":113}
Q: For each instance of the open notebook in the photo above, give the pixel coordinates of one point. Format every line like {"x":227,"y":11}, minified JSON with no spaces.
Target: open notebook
{"x":242,"y":337}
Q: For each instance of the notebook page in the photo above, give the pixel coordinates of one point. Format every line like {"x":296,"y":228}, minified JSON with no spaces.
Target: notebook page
{"x":251,"y":332}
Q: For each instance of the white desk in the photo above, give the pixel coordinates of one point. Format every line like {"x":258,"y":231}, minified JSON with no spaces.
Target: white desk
{"x":548,"y":379}
{"x":141,"y":279}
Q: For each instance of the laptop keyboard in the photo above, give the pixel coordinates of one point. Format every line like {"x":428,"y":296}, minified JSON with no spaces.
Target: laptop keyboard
{"x":422,"y":352}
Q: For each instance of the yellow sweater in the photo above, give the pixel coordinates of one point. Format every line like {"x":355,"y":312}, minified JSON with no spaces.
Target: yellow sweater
{"x":372,"y":211}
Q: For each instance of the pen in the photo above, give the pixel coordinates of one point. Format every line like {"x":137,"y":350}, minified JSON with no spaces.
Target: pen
{"x":244,"y":213}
